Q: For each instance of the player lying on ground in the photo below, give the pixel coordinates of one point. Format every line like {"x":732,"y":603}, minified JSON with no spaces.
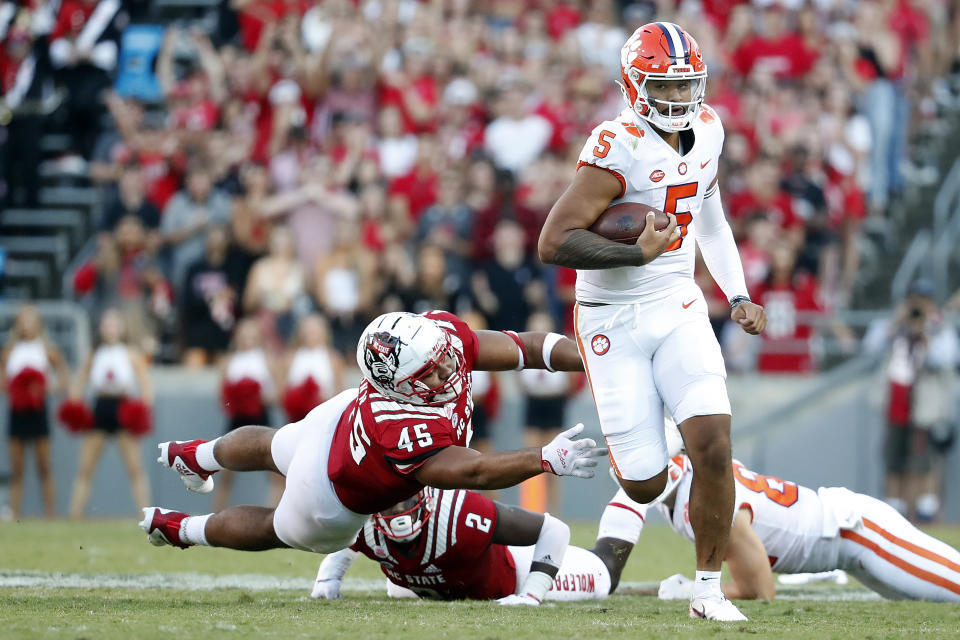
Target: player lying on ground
{"x":784,"y":527}
{"x":641,"y":320}
{"x":366,"y":449}
{"x":451,"y":545}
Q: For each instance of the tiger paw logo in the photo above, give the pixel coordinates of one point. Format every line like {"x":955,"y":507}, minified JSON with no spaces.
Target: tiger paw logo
{"x":600,"y":344}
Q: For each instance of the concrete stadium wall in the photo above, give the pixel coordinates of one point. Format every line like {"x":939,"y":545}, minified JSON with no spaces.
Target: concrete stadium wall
{"x":835,"y":441}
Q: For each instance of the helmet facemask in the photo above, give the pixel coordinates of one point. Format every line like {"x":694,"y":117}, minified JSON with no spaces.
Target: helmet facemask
{"x":680,"y":114}
{"x":447,"y":391}
{"x":405,"y":521}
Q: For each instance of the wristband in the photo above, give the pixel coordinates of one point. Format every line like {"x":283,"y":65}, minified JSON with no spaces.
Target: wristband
{"x":549,"y":342}
{"x":521,"y":351}
{"x":736,"y":301}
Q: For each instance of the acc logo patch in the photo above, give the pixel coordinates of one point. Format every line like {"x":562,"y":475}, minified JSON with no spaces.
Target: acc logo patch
{"x":656,"y":175}
{"x":600,"y":344}
{"x":682,"y":169}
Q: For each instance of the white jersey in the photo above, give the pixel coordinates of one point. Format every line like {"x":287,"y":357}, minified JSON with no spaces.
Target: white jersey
{"x":788,"y":518}
{"x":111,"y":372}
{"x":651,"y":172}
{"x":25,"y":354}
{"x":250,"y":364}
{"x":316,"y":364}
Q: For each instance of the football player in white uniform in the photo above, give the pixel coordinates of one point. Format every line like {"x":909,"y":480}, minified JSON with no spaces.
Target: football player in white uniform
{"x":641,"y":321}
{"x":784,"y":527}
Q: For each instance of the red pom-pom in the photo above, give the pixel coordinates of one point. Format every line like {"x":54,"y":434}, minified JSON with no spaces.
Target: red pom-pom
{"x":75,"y":416}
{"x":242,"y":398}
{"x":28,"y":390}
{"x":300,"y":400}
{"x":85,"y":278}
{"x":134,"y":416}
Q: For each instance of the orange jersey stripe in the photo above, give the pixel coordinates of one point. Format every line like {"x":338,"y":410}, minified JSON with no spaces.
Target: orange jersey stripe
{"x":616,"y":174}
{"x":920,"y":551}
{"x":902,"y":564}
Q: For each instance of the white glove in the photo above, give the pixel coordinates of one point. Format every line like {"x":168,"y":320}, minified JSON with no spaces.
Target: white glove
{"x":676,"y":587}
{"x":326,"y":590}
{"x":566,"y":456}
{"x":515,"y":599}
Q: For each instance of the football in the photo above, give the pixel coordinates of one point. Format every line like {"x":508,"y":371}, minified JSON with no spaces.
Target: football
{"x":625,"y":222}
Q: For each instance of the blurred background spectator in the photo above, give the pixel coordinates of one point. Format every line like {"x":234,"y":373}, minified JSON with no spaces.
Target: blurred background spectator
{"x":923,"y":351}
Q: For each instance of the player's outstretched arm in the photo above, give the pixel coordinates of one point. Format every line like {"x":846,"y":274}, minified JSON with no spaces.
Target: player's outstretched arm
{"x":748,"y":563}
{"x":330,"y":574}
{"x":550,"y":537}
{"x":507,"y":351}
{"x":565,"y":240}
{"x":463,"y":468}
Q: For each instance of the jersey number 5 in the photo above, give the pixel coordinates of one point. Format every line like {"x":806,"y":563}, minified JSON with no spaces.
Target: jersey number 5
{"x":674,"y":193}
{"x":783,"y":493}
{"x":603,"y":145}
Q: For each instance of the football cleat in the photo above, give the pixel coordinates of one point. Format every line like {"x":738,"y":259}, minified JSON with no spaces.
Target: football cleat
{"x":162,"y":526}
{"x":715,"y":608}
{"x":181,"y":456}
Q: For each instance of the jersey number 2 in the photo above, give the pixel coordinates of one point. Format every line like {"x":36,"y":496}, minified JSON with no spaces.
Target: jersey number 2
{"x":474,"y":521}
{"x":674,"y":193}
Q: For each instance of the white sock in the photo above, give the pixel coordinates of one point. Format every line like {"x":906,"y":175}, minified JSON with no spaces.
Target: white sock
{"x":192,"y":530}
{"x":622,"y":518}
{"x":205,"y":457}
{"x":706,"y":584}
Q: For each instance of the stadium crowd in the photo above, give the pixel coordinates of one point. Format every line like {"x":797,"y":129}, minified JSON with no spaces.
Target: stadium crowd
{"x":353,"y":158}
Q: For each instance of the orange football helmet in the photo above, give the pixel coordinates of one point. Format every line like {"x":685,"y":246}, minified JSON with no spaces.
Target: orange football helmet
{"x":663,"y":51}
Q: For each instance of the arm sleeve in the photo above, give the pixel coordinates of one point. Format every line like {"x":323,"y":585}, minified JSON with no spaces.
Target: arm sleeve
{"x":718,"y":247}
{"x":607,"y":148}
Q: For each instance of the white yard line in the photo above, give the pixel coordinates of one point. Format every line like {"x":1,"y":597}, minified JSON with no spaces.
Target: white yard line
{"x":261,"y":582}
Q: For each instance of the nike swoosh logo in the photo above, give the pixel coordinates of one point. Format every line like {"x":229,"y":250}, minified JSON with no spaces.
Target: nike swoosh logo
{"x":699,"y":614}
{"x":703,"y":164}
{"x":687,"y":305}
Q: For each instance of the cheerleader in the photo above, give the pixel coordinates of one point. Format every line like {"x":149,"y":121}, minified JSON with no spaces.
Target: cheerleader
{"x":248,"y":388}
{"x":118,"y":378}
{"x":314,"y":372}
{"x":26,"y":362}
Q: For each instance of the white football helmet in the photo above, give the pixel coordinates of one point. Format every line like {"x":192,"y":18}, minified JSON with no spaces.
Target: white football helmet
{"x":404,"y":521}
{"x":399,"y":349}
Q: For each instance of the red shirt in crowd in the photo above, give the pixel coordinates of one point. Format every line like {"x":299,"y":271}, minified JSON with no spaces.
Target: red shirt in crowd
{"x":786,"y":340}
{"x":426,"y":89}
{"x":787,"y":56}
{"x":562,"y":17}
{"x":778,"y":210}
{"x":418,"y":187}
{"x":72,"y":16}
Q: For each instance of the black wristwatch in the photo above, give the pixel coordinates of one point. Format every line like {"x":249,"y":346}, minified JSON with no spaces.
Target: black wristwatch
{"x":736,"y":301}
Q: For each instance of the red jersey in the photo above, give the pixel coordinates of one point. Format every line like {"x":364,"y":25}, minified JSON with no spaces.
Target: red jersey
{"x":453,"y":558}
{"x":785,"y":344}
{"x":380,"y":442}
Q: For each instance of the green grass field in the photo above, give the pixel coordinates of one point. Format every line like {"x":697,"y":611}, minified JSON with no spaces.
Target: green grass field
{"x":102,"y":580}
